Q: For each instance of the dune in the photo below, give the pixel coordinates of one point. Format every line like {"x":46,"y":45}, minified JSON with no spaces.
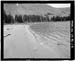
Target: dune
{"x":25,"y":42}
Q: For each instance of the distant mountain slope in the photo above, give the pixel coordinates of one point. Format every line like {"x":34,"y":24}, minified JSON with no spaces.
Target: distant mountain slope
{"x":65,"y":10}
{"x":29,"y":9}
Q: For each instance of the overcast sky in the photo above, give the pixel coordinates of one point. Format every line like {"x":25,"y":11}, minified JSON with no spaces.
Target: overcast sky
{"x":59,"y":5}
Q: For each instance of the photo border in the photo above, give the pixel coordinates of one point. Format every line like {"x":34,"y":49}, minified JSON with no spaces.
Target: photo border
{"x":44,"y":2}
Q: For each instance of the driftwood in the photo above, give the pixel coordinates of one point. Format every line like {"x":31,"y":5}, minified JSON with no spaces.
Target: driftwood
{"x":7,"y":35}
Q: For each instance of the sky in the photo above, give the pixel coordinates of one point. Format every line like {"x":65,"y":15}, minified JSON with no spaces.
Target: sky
{"x":60,"y":5}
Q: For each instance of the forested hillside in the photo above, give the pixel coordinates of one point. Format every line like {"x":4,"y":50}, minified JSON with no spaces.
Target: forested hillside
{"x":9,"y":19}
{"x":25,"y":13}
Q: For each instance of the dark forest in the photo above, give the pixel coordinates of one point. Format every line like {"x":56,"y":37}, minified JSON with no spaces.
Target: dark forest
{"x":9,"y":19}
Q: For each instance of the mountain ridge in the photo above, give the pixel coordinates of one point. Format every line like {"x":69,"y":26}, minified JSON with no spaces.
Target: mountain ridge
{"x":37,"y":9}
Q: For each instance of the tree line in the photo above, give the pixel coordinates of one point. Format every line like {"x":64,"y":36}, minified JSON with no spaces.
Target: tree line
{"x":58,"y":18}
{"x":9,"y":19}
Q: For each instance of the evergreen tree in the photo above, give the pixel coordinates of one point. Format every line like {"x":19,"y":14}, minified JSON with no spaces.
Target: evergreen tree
{"x":4,"y":17}
{"x":18,"y":18}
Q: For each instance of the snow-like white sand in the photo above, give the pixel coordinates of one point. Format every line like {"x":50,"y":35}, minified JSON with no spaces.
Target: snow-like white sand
{"x":20,"y":41}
